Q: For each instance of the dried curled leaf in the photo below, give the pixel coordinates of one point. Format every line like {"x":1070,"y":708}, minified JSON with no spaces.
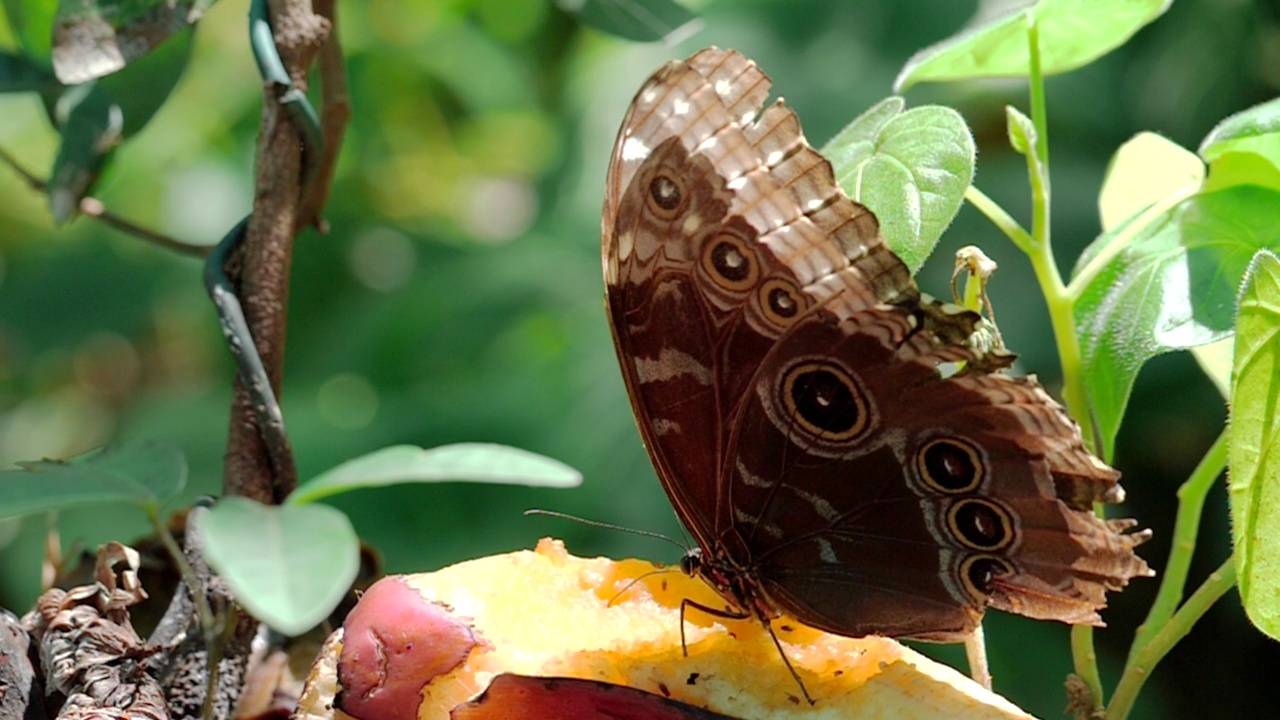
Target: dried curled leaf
{"x":88,"y":647}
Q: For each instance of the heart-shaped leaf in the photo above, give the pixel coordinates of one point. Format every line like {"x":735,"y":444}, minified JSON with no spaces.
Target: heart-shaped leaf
{"x":1254,"y":454}
{"x":138,"y":473}
{"x":1169,"y":284}
{"x":288,"y":565}
{"x":93,"y":38}
{"x":910,"y":168}
{"x":465,"y":462}
{"x":642,"y":20}
{"x":1072,"y":33}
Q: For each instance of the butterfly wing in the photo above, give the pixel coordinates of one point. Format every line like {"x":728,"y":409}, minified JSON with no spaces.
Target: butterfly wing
{"x":892,"y":500}
{"x":695,"y":192}
{"x":784,"y":372}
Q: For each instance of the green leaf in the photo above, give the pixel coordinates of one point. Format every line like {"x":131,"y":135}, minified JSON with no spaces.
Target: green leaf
{"x":1169,"y":284}
{"x":92,"y":129}
{"x":288,"y":565}
{"x":1245,"y":148}
{"x":93,"y":38}
{"x":1254,"y":486}
{"x":141,"y":473}
{"x":1072,"y":33}
{"x":1259,"y":121}
{"x":32,"y":22}
{"x":95,"y":117}
{"x":1021,"y":130}
{"x":465,"y":462}
{"x":910,"y":168}
{"x":1145,"y":170}
{"x":642,"y":20}
{"x":1215,"y":360}
{"x":18,"y":73}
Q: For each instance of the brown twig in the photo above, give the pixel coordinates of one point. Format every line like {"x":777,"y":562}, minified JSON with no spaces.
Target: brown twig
{"x":94,"y":208}
{"x":268,"y":251}
{"x":334,"y":116}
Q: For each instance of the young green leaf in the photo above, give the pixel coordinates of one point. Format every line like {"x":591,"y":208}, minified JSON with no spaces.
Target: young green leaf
{"x":1021,"y":130}
{"x":1254,"y":454}
{"x":1245,"y":148}
{"x":288,"y":565}
{"x":465,"y":462}
{"x":642,"y":20}
{"x":1169,"y":284}
{"x":93,"y":38}
{"x":1072,"y":33}
{"x":910,"y":168}
{"x":139,"y":473}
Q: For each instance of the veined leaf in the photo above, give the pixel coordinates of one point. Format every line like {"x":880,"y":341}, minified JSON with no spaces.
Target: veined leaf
{"x":1254,"y":454}
{"x":910,"y":168}
{"x":1168,"y":284}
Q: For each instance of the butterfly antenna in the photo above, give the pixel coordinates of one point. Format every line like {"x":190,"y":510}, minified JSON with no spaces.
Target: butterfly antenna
{"x":635,"y":580}
{"x":605,"y":525}
{"x":688,"y":541}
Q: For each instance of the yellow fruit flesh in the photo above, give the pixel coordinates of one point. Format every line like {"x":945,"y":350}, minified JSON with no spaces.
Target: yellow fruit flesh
{"x":546,"y":612}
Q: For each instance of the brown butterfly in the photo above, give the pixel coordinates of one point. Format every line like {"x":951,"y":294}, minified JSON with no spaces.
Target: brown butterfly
{"x":791,"y":384}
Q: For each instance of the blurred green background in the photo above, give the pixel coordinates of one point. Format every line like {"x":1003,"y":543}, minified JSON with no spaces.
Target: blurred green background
{"x":458,"y":296}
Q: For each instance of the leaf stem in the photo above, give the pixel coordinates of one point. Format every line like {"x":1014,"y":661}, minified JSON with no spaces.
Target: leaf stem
{"x":94,"y":208}
{"x":1145,"y":660}
{"x":1061,"y":315}
{"x":1003,"y":221}
{"x":1191,"y":498}
{"x":208,"y":623}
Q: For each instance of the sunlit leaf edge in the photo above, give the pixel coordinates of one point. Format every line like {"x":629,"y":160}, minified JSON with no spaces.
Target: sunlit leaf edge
{"x":399,"y":464}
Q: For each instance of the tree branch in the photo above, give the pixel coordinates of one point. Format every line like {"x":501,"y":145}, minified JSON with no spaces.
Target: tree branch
{"x":94,"y":208}
{"x":335,"y":114}
{"x":268,"y":252}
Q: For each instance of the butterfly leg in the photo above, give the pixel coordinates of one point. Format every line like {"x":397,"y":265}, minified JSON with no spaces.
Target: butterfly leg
{"x":742,"y":615}
{"x":975,"y":650}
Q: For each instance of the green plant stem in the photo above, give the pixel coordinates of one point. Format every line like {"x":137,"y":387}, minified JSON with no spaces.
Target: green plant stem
{"x":1061,"y":315}
{"x":1190,"y":508}
{"x":1003,"y":221}
{"x":208,"y":623}
{"x":213,"y":635}
{"x":1145,"y":660}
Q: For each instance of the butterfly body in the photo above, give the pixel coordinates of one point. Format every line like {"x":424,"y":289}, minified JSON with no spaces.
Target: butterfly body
{"x":837,"y":449}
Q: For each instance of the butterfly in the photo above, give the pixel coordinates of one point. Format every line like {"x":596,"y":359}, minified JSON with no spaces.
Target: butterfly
{"x":838,"y":449}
